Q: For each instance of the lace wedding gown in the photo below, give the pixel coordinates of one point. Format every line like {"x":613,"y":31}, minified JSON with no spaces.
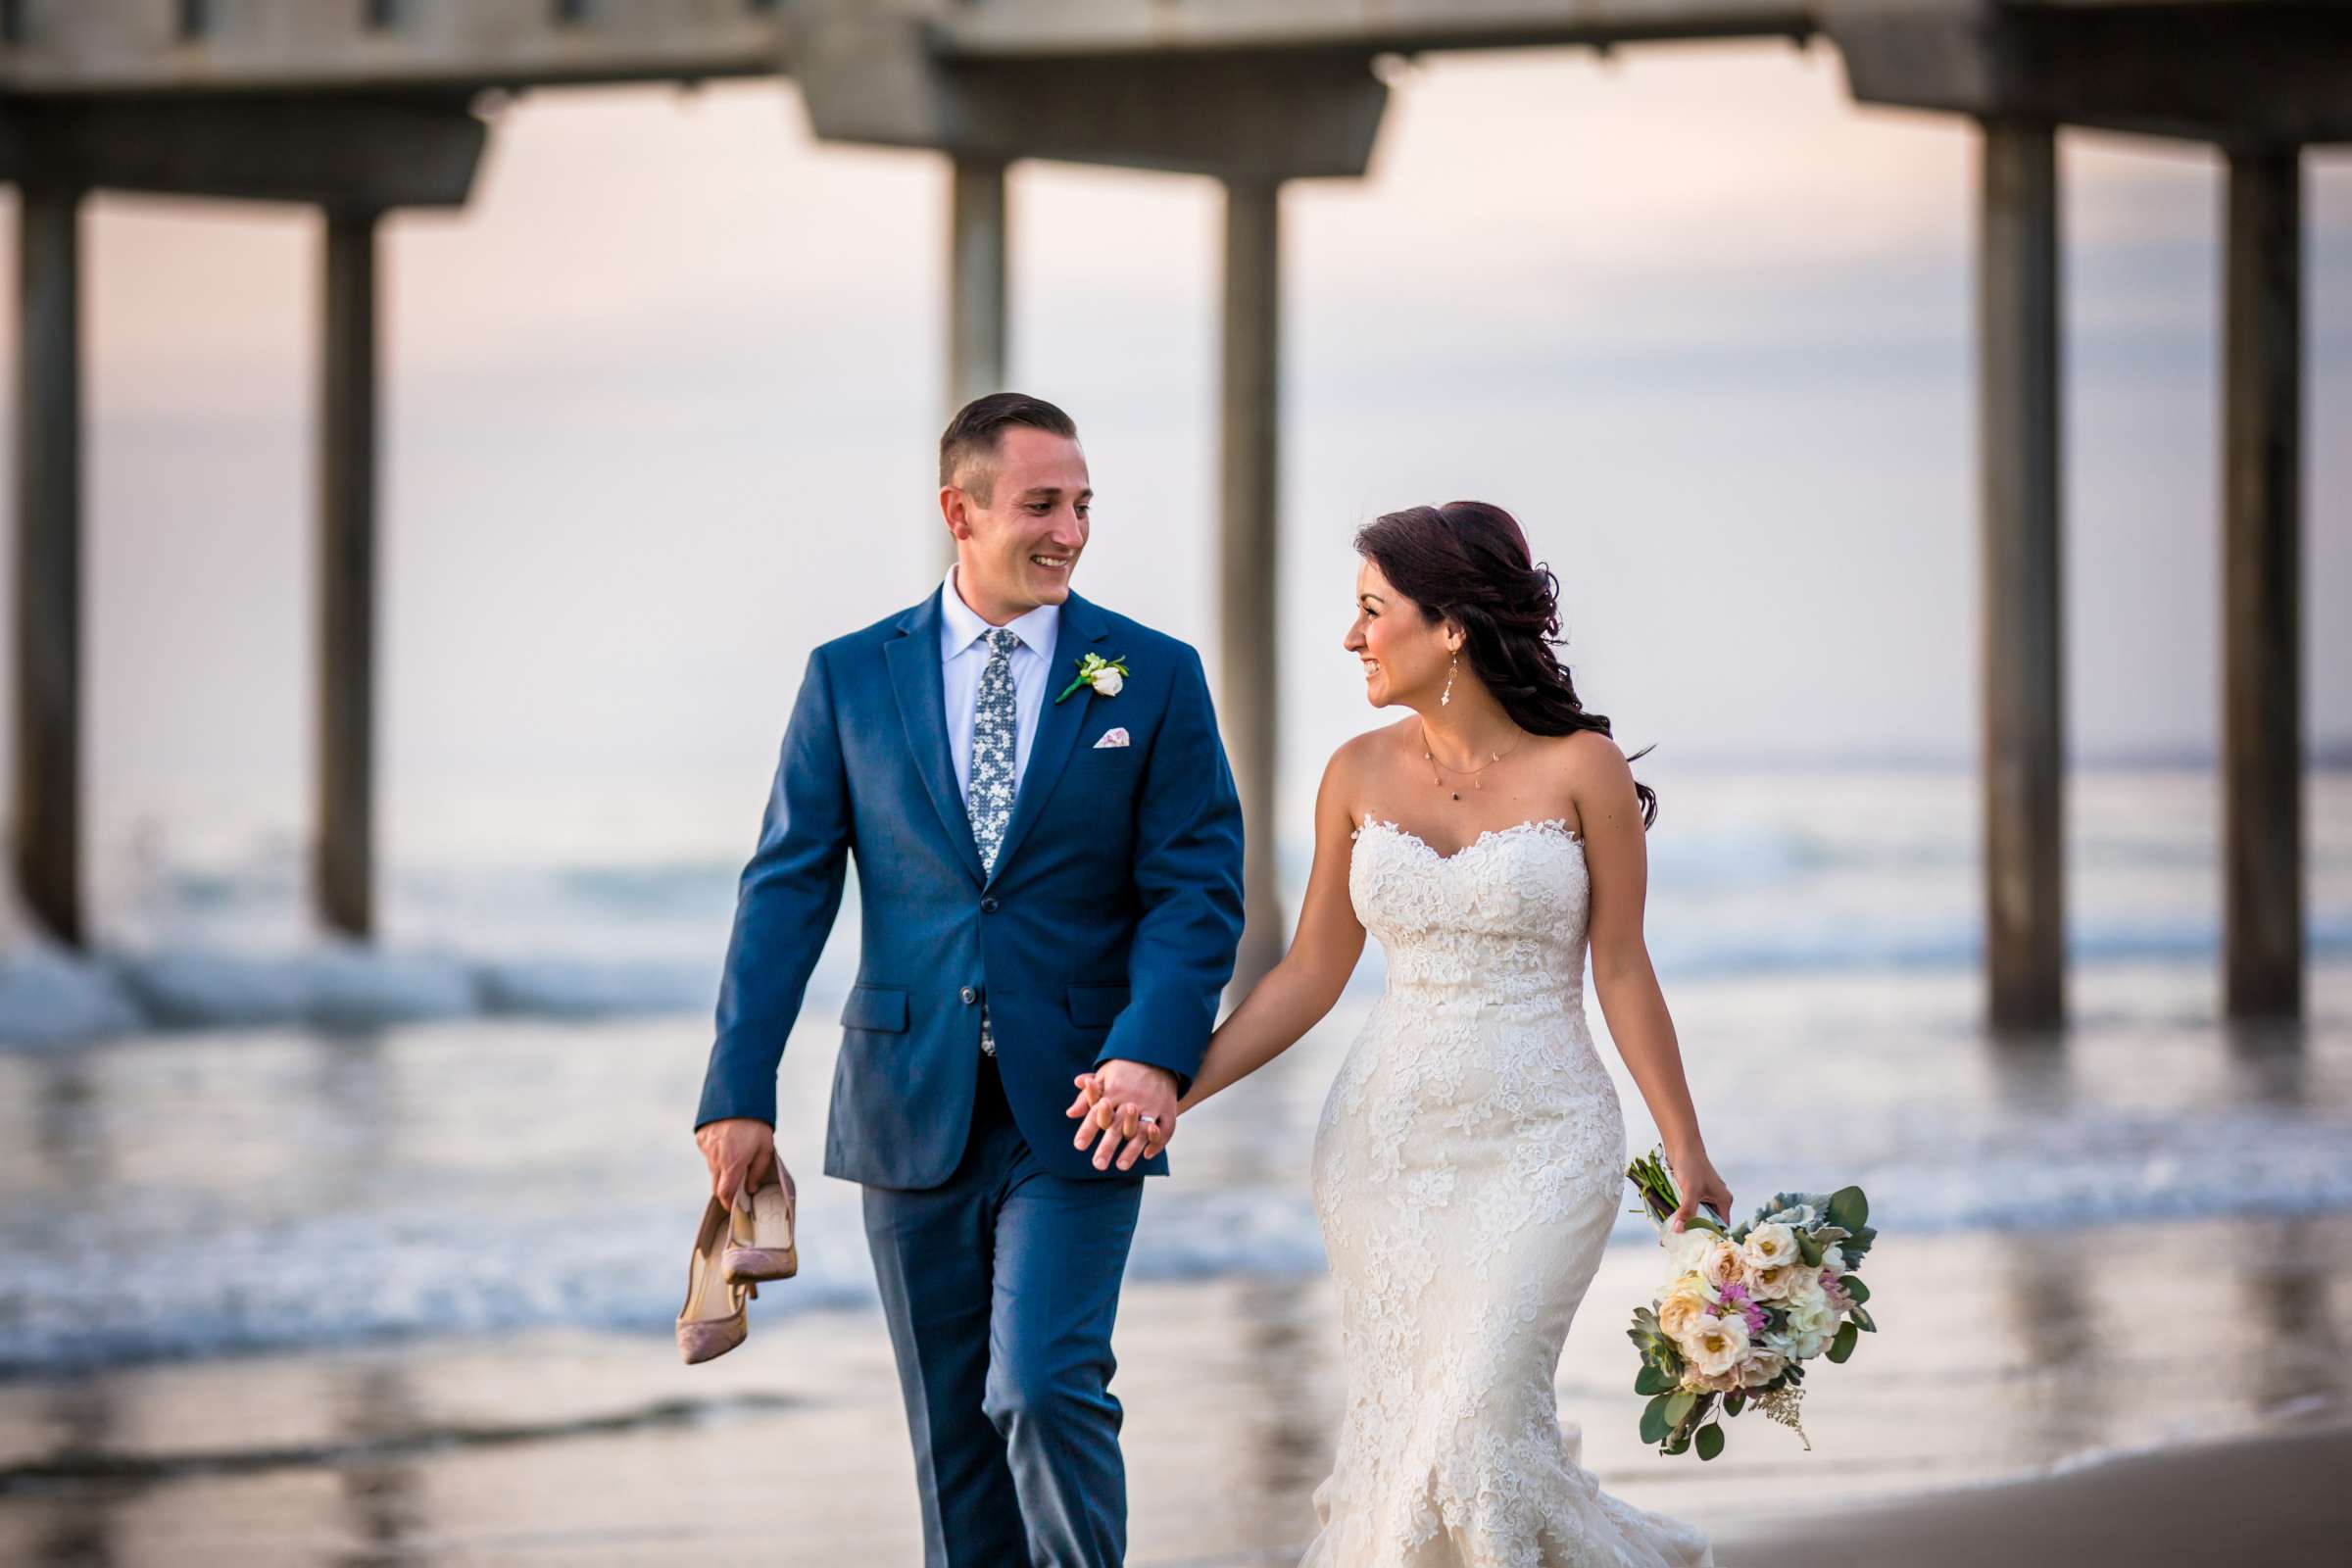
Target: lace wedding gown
{"x":1467,"y":1170}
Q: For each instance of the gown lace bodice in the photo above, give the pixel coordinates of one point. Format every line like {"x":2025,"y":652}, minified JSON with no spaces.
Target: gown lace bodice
{"x":1466,"y":1172}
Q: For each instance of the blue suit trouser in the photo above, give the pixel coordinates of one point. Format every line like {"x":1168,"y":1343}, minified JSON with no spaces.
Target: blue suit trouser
{"x":1001,"y":1287}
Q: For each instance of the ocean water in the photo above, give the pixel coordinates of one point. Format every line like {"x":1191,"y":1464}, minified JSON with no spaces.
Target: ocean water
{"x":216,"y":1138}
{"x":1750,"y":873}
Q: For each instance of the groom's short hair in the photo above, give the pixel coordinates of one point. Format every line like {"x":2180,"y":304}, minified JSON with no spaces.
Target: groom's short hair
{"x":972,"y":436}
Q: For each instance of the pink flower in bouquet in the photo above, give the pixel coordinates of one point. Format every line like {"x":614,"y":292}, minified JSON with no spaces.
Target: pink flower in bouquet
{"x":1737,"y":1297}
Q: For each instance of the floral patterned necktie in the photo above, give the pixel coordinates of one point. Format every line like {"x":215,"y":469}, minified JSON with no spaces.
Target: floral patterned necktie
{"x":987,"y":790}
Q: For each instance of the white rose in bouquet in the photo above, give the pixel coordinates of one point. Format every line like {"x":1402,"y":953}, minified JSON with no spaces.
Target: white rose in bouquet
{"x":1812,"y":1321}
{"x":1804,"y":1293}
{"x":1687,"y":1251}
{"x":1769,"y":1247}
{"x":1810,"y":1312}
{"x":1686,"y":1302}
{"x":1715,"y":1345}
{"x":1775,"y":1283}
{"x":1725,"y":1266}
{"x":1763,"y":1364}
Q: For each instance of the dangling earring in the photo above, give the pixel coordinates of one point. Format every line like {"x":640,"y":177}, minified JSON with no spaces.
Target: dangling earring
{"x":1446,"y":696}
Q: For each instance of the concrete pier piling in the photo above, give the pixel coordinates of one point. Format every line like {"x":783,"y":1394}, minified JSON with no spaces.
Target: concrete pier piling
{"x":2262,"y":585}
{"x":47,"y":831}
{"x":1248,"y":555}
{"x":2020,"y":637}
{"x":344,"y":870}
{"x":978,"y":275}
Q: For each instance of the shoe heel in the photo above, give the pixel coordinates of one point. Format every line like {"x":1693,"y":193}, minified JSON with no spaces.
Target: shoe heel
{"x":762,"y":1237}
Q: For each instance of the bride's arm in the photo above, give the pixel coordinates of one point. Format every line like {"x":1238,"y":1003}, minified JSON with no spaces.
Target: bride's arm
{"x":1617,"y":864}
{"x":1299,"y":991}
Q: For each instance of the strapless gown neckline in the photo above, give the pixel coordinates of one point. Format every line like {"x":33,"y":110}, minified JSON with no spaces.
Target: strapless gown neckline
{"x":1557,"y":824}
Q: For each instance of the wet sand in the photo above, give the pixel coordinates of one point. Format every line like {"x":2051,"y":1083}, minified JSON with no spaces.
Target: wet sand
{"x":2051,"y":1357}
{"x":2273,"y":1499}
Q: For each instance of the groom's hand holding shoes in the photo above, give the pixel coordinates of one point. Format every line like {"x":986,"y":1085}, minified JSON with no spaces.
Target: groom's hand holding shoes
{"x":738,"y":1151}
{"x":1131,"y":1100}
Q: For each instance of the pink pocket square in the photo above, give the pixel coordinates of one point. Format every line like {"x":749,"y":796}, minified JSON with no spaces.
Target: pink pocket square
{"x":1112,"y":737}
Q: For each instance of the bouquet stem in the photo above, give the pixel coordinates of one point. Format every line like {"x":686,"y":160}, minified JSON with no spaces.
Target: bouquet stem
{"x":1653,"y":1179}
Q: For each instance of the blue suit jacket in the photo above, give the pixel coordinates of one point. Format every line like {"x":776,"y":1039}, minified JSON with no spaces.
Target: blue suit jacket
{"x":1108,"y":929}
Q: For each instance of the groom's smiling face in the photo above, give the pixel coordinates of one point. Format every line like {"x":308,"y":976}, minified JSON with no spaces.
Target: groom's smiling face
{"x":1020,"y":518}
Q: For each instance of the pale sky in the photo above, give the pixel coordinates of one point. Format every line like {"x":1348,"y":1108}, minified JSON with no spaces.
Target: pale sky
{"x":661,"y":405}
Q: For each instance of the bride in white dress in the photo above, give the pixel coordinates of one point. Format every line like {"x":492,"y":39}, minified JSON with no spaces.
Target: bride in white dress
{"x":1470,"y":1158}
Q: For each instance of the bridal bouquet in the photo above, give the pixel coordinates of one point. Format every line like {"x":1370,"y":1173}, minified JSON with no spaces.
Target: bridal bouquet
{"x":1745,"y":1307}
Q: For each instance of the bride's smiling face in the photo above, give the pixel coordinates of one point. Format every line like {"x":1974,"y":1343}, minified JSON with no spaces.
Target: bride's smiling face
{"x":1405,"y":652}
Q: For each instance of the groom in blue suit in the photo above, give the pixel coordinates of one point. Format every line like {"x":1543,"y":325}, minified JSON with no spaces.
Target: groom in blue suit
{"x":1048,"y":848}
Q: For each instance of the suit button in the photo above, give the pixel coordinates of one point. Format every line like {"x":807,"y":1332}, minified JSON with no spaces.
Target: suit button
{"x":970,"y":996}
{"x":988,"y":905}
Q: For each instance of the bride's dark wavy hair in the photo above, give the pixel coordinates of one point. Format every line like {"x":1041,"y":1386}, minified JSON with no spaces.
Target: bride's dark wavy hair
{"x":1469,"y":562}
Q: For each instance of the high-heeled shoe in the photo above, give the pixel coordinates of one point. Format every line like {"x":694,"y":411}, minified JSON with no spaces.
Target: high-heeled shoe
{"x":761,"y":1235}
{"x":713,"y":1321}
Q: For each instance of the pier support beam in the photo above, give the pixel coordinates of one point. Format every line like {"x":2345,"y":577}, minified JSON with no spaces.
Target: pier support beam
{"x":1248,"y":449}
{"x":344,"y":874}
{"x":977,"y":343}
{"x":47,"y":831}
{"x":2017,"y":415}
{"x":977,"y":274}
{"x":2261,"y":590}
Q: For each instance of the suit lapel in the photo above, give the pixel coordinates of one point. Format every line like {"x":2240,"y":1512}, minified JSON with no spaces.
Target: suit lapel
{"x":1077,"y":627}
{"x":916,"y":680}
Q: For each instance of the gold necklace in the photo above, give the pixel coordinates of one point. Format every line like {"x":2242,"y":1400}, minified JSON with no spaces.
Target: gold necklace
{"x":1475,"y":783}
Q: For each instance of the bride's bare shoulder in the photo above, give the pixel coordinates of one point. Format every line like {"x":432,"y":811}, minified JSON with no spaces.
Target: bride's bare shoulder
{"x":1358,"y":762}
{"x":1590,"y":756}
{"x":1359,"y":754}
{"x":1593,"y":774}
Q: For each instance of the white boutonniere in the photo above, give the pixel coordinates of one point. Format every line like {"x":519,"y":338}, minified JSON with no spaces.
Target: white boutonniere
{"x":1104,"y":675}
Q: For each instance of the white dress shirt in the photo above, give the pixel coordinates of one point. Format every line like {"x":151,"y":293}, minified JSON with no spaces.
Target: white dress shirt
{"x":964,"y":654}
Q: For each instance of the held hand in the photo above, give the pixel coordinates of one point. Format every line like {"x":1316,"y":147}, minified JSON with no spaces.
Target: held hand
{"x":1089,"y":1090}
{"x":1695,"y":1175}
{"x":1114,"y":1101}
{"x":739,"y":1151}
{"x":1127,"y":1115}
